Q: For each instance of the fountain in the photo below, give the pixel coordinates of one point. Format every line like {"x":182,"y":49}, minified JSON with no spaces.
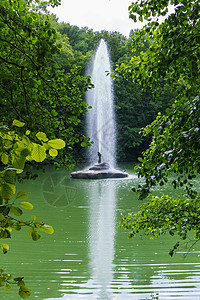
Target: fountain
{"x":101,"y":121}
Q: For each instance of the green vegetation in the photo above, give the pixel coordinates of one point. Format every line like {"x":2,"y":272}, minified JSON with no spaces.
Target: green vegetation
{"x":33,"y":86}
{"x":43,"y":81}
{"x":42,"y":87}
{"x":38,"y":95}
{"x":173,"y":56}
{"x":15,"y":152}
{"x":134,"y":107}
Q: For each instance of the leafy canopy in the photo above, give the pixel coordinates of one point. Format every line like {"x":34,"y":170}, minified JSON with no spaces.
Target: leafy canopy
{"x":173,"y":56}
{"x":33,"y":88}
{"x":37,"y":95}
{"x":15,"y":151}
{"x":174,"y":52}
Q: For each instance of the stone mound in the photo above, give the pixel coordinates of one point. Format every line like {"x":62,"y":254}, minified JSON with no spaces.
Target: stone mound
{"x":99,"y":171}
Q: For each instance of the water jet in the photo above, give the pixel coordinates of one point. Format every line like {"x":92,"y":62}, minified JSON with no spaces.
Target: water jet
{"x":101,"y":120}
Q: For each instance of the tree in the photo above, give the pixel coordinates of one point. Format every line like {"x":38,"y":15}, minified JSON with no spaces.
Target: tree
{"x":136,"y":108}
{"x":36,"y":91}
{"x":174,"y":56}
{"x":15,"y":151}
{"x":33,"y":88}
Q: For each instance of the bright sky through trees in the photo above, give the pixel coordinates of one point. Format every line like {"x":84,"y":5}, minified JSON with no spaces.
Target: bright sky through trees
{"x":111,"y":15}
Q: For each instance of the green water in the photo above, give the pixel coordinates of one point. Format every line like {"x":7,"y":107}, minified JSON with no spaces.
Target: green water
{"x":88,"y":257}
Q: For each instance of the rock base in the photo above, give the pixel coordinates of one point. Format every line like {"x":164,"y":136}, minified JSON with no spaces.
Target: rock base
{"x":99,"y":171}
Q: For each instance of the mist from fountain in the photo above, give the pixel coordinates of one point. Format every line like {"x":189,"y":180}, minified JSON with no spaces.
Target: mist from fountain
{"x":101,"y":119}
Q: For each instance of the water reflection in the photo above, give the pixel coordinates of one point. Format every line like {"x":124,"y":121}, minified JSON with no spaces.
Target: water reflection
{"x":88,"y":257}
{"x":102,"y":235}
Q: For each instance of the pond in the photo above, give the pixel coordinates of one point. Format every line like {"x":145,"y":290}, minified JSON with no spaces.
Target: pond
{"x":88,"y":256}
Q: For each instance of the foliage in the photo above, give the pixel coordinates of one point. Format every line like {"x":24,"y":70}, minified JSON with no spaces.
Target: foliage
{"x":32,"y":87}
{"x":176,"y":216}
{"x":54,"y":103}
{"x":174,"y":50}
{"x":174,"y":148}
{"x":15,"y":152}
{"x":173,"y":56}
{"x":134,"y":108}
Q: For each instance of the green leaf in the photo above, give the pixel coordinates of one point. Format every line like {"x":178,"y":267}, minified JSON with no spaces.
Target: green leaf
{"x":8,"y":287}
{"x":18,"y":163}
{"x":1,"y":217}
{"x":18,"y":228}
{"x":56,"y":143}
{"x":42,"y":136}
{"x":53,"y":152}
{"x":35,"y":234}
{"x":16,"y":211}
{"x":1,"y":282}
{"x":5,"y":248}
{"x":26,"y":205}
{"x":4,"y":159}
{"x":48,"y":229}
{"x":29,"y":232}
{"x":83,"y":144}
{"x":10,"y":176}
{"x":22,"y":196}
{"x":8,"y":190}
{"x":38,"y":153}
{"x":24,"y":292}
{"x":38,"y":223}
{"x":24,"y":152}
{"x":18,"y":123}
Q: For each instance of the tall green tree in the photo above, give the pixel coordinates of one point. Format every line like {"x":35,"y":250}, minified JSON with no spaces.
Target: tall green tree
{"x":174,"y":56}
{"x":33,"y":88}
{"x":136,"y":108}
{"x":43,"y":97}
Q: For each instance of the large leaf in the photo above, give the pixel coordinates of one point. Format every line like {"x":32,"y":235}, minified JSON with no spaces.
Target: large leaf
{"x":48,"y":229}
{"x":16,"y":211}
{"x":8,"y":190}
{"x":24,"y":292}
{"x":5,"y":248}
{"x":26,"y":205}
{"x":18,"y":123}
{"x":10,"y":176}
{"x":19,"y":162}
{"x":57,"y":143}
{"x":42,"y":136}
{"x":22,"y":152}
{"x":38,"y":153}
{"x":53,"y":152}
{"x":22,"y":196}
{"x":4,"y":158}
{"x":33,"y":234}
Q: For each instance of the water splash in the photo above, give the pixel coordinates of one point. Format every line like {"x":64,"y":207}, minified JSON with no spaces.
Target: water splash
{"x":101,"y":119}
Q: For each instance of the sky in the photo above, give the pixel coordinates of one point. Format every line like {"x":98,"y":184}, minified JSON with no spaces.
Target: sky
{"x":110,"y":15}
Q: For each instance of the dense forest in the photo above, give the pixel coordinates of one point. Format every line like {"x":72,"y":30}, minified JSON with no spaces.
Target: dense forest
{"x":134,"y":107}
{"x":156,"y":86}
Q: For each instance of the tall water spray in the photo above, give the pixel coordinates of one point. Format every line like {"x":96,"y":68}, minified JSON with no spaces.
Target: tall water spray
{"x":101,"y":119}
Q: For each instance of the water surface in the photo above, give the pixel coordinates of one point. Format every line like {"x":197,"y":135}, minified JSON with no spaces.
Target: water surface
{"x":88,"y":257}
